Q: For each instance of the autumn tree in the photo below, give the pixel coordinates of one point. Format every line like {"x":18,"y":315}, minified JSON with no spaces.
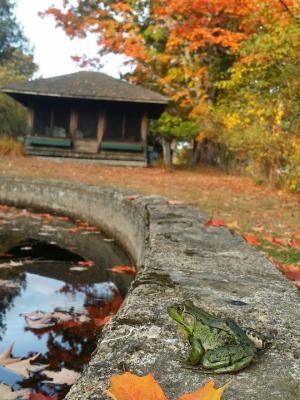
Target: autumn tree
{"x":177,"y":47}
{"x":259,"y":105}
{"x":181,"y":48}
{"x":16,"y":63}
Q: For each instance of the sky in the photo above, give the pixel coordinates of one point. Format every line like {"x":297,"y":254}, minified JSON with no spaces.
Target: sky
{"x":52,"y":48}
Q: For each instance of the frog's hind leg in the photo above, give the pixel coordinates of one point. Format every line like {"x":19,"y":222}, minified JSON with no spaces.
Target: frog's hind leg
{"x":226,"y":359}
{"x":234,"y":367}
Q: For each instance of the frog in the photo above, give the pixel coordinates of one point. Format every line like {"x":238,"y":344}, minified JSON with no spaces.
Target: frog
{"x":218,"y":345}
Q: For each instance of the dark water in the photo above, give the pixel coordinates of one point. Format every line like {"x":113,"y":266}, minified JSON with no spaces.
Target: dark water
{"x":45,"y":258}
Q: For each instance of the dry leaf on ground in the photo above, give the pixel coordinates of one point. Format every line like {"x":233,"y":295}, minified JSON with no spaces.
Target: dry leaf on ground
{"x":206,"y":392}
{"x":251,"y":239}
{"x":62,"y":377}
{"x":129,"y":386}
{"x":6,"y":393}
{"x":132,"y":387}
{"x":215,"y":222}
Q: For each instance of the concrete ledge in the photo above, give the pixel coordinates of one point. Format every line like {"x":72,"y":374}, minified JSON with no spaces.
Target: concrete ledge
{"x":178,"y":258}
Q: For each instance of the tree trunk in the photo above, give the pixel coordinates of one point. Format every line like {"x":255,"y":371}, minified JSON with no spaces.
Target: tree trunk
{"x":166,"y":144}
{"x":196,"y":155}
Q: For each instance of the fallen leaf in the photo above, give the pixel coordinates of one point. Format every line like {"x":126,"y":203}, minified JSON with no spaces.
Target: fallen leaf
{"x":102,"y":321}
{"x":123,"y":269}
{"x":62,"y":377}
{"x":293,"y":275}
{"x":23,"y":367}
{"x":132,"y":197}
{"x":79,"y":269}
{"x":206,"y":392}
{"x":40,"y":396}
{"x":132,"y":387}
{"x":6,"y":393}
{"x":86,"y":263}
{"x":233,"y":225}
{"x":251,"y":239}
{"x":174,"y":202}
{"x":215,"y":222}
{"x":5,"y":357}
{"x":7,"y":284}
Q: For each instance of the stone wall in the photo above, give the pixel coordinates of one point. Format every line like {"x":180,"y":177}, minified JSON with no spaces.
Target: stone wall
{"x":178,"y":258}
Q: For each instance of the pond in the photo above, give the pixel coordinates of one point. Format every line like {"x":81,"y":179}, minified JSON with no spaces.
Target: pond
{"x":60,"y":283}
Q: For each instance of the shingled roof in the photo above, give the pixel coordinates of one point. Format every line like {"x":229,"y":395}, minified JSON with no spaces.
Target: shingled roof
{"x":87,"y":85}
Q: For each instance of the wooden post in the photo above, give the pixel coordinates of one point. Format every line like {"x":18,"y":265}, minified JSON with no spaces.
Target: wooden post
{"x":30,"y":120}
{"x":100,"y":128}
{"x":73,"y":122}
{"x":144,"y":129}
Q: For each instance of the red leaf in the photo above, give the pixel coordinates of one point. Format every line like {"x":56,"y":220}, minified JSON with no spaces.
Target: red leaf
{"x":86,"y":263}
{"x":102,"y":321}
{"x":293,"y":275}
{"x":40,"y":396}
{"x":132,"y":197}
{"x":123,"y":269}
{"x":251,"y":239}
{"x":71,"y":324}
{"x":215,"y":222}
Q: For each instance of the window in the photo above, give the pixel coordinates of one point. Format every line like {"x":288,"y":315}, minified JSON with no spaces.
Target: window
{"x":49,"y":122}
{"x":123,"y":126}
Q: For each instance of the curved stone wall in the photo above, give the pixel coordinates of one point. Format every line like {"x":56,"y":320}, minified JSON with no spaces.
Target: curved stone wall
{"x":178,"y":258}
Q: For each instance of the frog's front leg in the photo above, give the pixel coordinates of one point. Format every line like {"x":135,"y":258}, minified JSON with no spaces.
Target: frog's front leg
{"x":196,"y":352}
{"x":227,"y":359}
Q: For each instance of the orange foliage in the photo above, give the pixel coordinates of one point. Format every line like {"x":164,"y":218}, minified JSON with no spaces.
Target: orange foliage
{"x":132,"y":387}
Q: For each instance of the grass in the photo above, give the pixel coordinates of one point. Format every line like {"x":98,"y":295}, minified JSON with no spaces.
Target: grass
{"x":10,"y":147}
{"x":245,"y":206}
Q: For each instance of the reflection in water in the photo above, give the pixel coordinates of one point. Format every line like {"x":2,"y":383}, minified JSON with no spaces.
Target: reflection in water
{"x":38,"y":254}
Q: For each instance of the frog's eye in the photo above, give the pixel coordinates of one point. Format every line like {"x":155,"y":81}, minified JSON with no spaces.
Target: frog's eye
{"x":179,"y":308}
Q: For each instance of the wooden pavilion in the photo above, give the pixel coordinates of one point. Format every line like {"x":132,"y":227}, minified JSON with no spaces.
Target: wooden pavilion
{"x":88,"y":115}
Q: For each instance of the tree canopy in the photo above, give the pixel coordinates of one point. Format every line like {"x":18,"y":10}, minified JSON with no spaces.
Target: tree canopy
{"x":16,"y":63}
{"x":195,"y":51}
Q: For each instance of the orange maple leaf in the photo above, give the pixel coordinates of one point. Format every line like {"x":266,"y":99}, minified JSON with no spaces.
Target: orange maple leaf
{"x":129,"y":386}
{"x":123,"y":269}
{"x":206,"y":392}
{"x":215,"y":222}
{"x":251,"y":239}
{"x":132,"y":387}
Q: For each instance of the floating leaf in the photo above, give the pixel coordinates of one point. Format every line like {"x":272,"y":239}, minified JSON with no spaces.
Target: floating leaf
{"x":40,"y":396}
{"x":5,"y":357}
{"x":23,"y":367}
{"x":102,"y":321}
{"x":251,"y":239}
{"x":86,"y":263}
{"x":123,"y":269}
{"x":132,"y":387}
{"x":62,"y":377}
{"x":206,"y":392}
{"x":215,"y":222}
{"x":6,"y":393}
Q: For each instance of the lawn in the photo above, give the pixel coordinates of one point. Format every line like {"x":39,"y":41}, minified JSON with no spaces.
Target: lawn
{"x":270,"y":216}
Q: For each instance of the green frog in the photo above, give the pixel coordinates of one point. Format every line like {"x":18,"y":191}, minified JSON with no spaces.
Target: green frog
{"x":219,"y":345}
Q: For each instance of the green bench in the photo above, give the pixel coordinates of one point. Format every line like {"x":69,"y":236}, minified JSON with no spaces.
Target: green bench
{"x":118,"y":146}
{"x":49,"y":142}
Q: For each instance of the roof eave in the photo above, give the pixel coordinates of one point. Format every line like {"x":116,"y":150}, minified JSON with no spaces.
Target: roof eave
{"x":68,"y":96}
